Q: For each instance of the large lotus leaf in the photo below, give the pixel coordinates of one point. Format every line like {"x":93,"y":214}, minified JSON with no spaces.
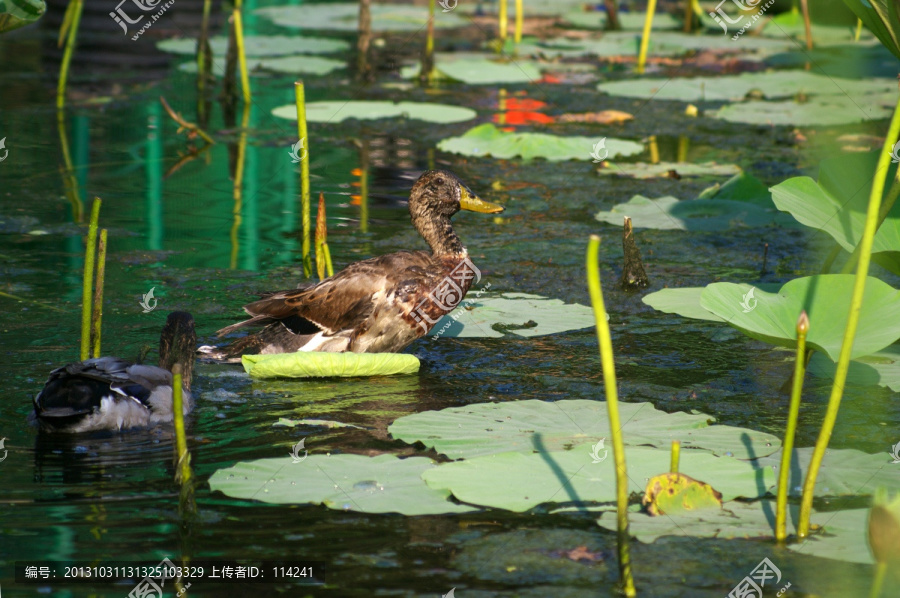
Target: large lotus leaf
{"x":488,"y":140}
{"x":515,"y":313}
{"x":791,"y":24}
{"x":684,"y":301}
{"x":772,"y":84}
{"x":642,"y":170}
{"x":851,"y":60}
{"x":337,"y":111}
{"x":291,"y":65}
{"x":842,"y":537}
{"x":259,"y":45}
{"x":596,"y":19}
{"x":670,"y":213}
{"x":18,"y":13}
{"x":817,"y":111}
{"x":772,"y":317}
{"x":881,"y":18}
{"x":619,"y":43}
{"x":536,"y":426}
{"x":754,"y":520}
{"x":344,"y":16}
{"x":844,"y":472}
{"x":519,"y":482}
{"x":837,"y":204}
{"x":382,"y":484}
{"x":310,"y":364}
{"x":740,"y":187}
{"x":478,"y":69}
{"x":882,"y":368}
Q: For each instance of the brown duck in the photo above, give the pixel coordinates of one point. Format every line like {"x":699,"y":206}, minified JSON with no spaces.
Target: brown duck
{"x":377,"y":305}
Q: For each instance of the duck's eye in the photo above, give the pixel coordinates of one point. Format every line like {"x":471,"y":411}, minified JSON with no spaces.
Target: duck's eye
{"x":439,"y":181}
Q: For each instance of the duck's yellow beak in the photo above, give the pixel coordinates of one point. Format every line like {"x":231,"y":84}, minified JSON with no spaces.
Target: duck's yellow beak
{"x":470,"y":201}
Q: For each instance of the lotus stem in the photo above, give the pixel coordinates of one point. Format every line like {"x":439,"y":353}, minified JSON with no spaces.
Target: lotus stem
{"x":878,"y":580}
{"x":683,"y":144}
{"x":688,"y":15}
{"x":886,"y":207}
{"x":804,"y":6}
{"x":204,"y":61}
{"x":364,"y":40}
{"x":69,"y":29}
{"x":503,"y":24}
{"x":242,"y":56}
{"x":89,"y":253}
{"x":859,"y":287}
{"x":300,"y":97}
{"x":645,"y":36}
{"x":182,"y":456}
{"x":787,"y":446}
{"x":33,"y":302}
{"x":612,"y":405}
{"x":97,"y":311}
{"x":676,"y":456}
{"x":426,"y":73}
{"x":654,"y":150}
{"x":69,"y":174}
{"x":612,"y":16}
{"x":184,"y":125}
{"x":364,"y":187}
{"x":328,"y":266}
{"x":321,"y":237}
{"x":858,"y":30}
{"x":520,"y":20}
{"x":237,"y":189}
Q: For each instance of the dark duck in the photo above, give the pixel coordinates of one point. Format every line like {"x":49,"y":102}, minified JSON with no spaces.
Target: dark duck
{"x":108,"y":393}
{"x":378,"y":305}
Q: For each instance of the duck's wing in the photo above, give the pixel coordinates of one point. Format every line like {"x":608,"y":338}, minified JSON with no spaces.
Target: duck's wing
{"x":77,"y":388}
{"x":341,"y":302}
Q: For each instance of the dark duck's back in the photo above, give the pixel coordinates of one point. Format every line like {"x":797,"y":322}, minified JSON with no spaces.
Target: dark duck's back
{"x":377,"y":305}
{"x":108,"y":393}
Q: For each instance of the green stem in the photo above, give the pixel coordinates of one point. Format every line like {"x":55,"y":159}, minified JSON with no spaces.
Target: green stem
{"x":804,"y":6}
{"x":645,"y":37}
{"x":859,"y":287}
{"x":886,"y":208}
{"x":858,"y":30}
{"x":426,"y":73}
{"x":182,"y":456}
{"x":242,"y":56}
{"x":787,"y":447}
{"x":89,"y":253}
{"x":72,"y":31}
{"x":829,"y":259}
{"x":880,"y":571}
{"x":520,"y":18}
{"x":97,"y":311}
{"x":676,"y":457}
{"x":612,"y":406}
{"x":300,"y":98}
{"x":503,"y":24}
{"x":328,"y":267}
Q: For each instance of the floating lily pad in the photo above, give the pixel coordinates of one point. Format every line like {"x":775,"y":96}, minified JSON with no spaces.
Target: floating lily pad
{"x":519,"y":482}
{"x":514,"y":313}
{"x":772,"y":85}
{"x":790,"y":24}
{"x":530,"y":425}
{"x":382,"y":484}
{"x":670,"y":213}
{"x":337,"y":111}
{"x":817,"y":111}
{"x":772,"y":317}
{"x":740,"y":187}
{"x":842,"y":537}
{"x":685,"y":302}
{"x":673,"y":493}
{"x":344,"y":16}
{"x":596,"y":19}
{"x":488,"y":140}
{"x":642,"y":170}
{"x":310,"y":364}
{"x":322,"y":423}
{"x":837,"y":204}
{"x":844,"y":472}
{"x":881,"y":368}
{"x":18,"y":13}
{"x":259,"y":45}
{"x":627,"y":43}
{"x":291,"y":65}
{"x":478,"y":69}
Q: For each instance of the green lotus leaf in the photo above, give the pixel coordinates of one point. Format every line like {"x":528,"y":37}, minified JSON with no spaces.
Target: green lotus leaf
{"x":881,"y":18}
{"x":337,"y":111}
{"x":817,"y":111}
{"x":310,"y":364}
{"x":881,"y":368}
{"x":519,"y":482}
{"x":488,"y":140}
{"x":344,"y":16}
{"x":382,"y":484}
{"x":290,"y":65}
{"x":478,"y":69}
{"x":684,"y":302}
{"x":837,"y":202}
{"x":18,"y":13}
{"x":671,"y":213}
{"x":740,"y":187}
{"x":642,"y":170}
{"x":772,"y":85}
{"x":772,"y":317}
{"x":537,"y":426}
{"x":514,"y":313}
{"x":259,"y":45}
{"x":673,"y":493}
{"x":842,"y":537}
{"x":596,"y":19}
{"x":844,"y":472}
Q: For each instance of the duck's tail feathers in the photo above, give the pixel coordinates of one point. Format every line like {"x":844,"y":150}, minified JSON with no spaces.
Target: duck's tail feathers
{"x":261,"y":320}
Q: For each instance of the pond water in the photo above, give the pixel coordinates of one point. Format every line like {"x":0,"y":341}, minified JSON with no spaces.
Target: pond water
{"x":111,"y":497}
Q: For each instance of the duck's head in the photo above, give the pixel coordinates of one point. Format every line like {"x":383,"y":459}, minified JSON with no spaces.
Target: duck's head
{"x":177,"y":344}
{"x":435,"y":197}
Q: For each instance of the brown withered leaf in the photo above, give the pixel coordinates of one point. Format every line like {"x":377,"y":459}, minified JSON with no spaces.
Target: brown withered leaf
{"x":604,"y":117}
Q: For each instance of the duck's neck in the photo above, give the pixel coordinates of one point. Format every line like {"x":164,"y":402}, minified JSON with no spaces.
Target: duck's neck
{"x":440,"y":236}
